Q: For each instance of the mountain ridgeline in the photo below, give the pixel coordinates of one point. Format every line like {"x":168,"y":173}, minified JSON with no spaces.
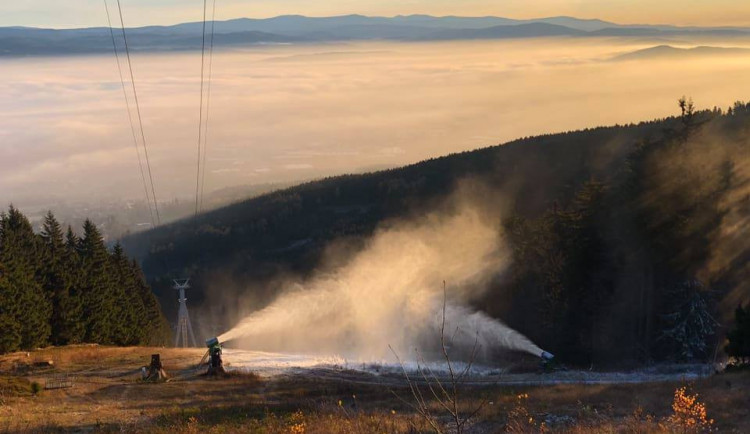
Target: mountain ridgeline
{"x":59,"y":289}
{"x":628,"y":243}
{"x":24,"y":41}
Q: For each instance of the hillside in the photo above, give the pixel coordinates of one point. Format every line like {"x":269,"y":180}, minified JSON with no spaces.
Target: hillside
{"x":615,"y":234}
{"x":288,"y":229}
{"x":532,"y":30}
{"x":667,"y":52}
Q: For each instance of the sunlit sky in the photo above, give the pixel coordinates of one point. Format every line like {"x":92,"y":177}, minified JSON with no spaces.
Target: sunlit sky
{"x":83,"y":13}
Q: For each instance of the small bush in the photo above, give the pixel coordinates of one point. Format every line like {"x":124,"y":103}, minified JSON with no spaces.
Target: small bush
{"x":688,"y":414}
{"x":521,"y":420}
{"x":297,"y":421}
{"x":36,"y":388}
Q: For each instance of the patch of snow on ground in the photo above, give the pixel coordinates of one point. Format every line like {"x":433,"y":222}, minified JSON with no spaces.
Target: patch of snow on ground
{"x":273,"y":364}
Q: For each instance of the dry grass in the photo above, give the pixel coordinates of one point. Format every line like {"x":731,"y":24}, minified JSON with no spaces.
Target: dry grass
{"x":630,"y":408}
{"x":108,"y":397}
{"x":12,"y":386}
{"x":322,"y":421}
{"x":79,"y":357}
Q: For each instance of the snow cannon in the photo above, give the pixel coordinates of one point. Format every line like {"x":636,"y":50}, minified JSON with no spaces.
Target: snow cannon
{"x":548,"y":361}
{"x":215,"y":361}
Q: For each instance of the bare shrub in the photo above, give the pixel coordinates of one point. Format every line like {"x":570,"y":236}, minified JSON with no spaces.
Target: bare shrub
{"x":520,"y":420}
{"x":434,"y":398}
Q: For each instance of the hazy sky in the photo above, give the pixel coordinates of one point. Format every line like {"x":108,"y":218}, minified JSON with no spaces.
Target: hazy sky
{"x":76,"y":13}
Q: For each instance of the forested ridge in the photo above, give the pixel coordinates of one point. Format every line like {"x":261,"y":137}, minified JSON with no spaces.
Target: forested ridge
{"x":57,"y":288}
{"x":629,"y":243}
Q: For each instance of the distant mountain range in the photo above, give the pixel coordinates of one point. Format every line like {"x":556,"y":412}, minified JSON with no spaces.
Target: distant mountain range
{"x":25,"y":41}
{"x":669,"y":52}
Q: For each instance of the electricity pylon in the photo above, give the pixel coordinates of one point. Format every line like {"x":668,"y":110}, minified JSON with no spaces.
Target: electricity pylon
{"x":183,"y":319}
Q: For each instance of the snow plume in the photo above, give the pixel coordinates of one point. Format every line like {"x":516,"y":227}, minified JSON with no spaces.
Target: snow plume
{"x":391,"y":293}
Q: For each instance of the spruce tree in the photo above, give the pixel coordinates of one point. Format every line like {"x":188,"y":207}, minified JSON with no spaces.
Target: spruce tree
{"x":59,"y":272}
{"x":129,"y":327}
{"x":76,"y":323}
{"x":739,"y":337}
{"x":66,"y":289}
{"x":96,"y":286}
{"x":10,"y":338}
{"x":688,"y":326}
{"x":156,"y":328}
{"x":72,"y":242}
{"x":20,"y":256}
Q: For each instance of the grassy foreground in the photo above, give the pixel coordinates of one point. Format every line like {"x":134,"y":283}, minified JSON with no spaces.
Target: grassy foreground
{"x":107,"y":397}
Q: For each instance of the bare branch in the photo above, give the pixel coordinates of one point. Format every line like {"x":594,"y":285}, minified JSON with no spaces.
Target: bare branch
{"x":448,"y":361}
{"x":472,"y":358}
{"x":445,"y":395}
{"x":421,"y":406}
{"x":448,"y":399}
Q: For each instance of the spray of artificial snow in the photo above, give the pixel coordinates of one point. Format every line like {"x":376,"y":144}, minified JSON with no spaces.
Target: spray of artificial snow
{"x":391,"y":294}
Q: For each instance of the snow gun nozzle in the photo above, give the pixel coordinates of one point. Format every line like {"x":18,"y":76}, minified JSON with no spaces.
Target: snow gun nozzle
{"x":212,"y":342}
{"x":547,"y":356}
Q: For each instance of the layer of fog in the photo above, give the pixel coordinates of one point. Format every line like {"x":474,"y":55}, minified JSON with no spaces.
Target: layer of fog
{"x":281,"y":113}
{"x":390,"y":294}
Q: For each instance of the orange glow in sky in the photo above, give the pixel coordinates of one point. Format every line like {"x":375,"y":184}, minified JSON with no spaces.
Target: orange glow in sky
{"x":54,"y":13}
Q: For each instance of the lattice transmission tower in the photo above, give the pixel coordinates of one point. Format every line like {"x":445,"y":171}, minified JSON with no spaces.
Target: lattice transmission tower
{"x":184,"y":327}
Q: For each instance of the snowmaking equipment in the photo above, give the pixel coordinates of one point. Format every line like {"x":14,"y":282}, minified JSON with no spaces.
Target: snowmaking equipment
{"x":215,"y":361}
{"x":548,"y":361}
{"x":155,"y":371}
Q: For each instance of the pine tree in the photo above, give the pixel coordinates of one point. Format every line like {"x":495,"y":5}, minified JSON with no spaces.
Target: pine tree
{"x":157,"y":331}
{"x":739,"y":337}
{"x":96,"y":286}
{"x":72,"y":242}
{"x":75,"y":322}
{"x":587,"y":285}
{"x":689,"y":325}
{"x":20,"y":255}
{"x":66,"y":289}
{"x":59,"y":270}
{"x":10,"y":338}
{"x":128,"y":329}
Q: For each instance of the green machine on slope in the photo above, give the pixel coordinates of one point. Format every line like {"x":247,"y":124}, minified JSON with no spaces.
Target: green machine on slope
{"x":215,"y":362}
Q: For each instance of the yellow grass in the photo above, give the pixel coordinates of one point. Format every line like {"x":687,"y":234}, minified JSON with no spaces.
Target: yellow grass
{"x":109,"y":397}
